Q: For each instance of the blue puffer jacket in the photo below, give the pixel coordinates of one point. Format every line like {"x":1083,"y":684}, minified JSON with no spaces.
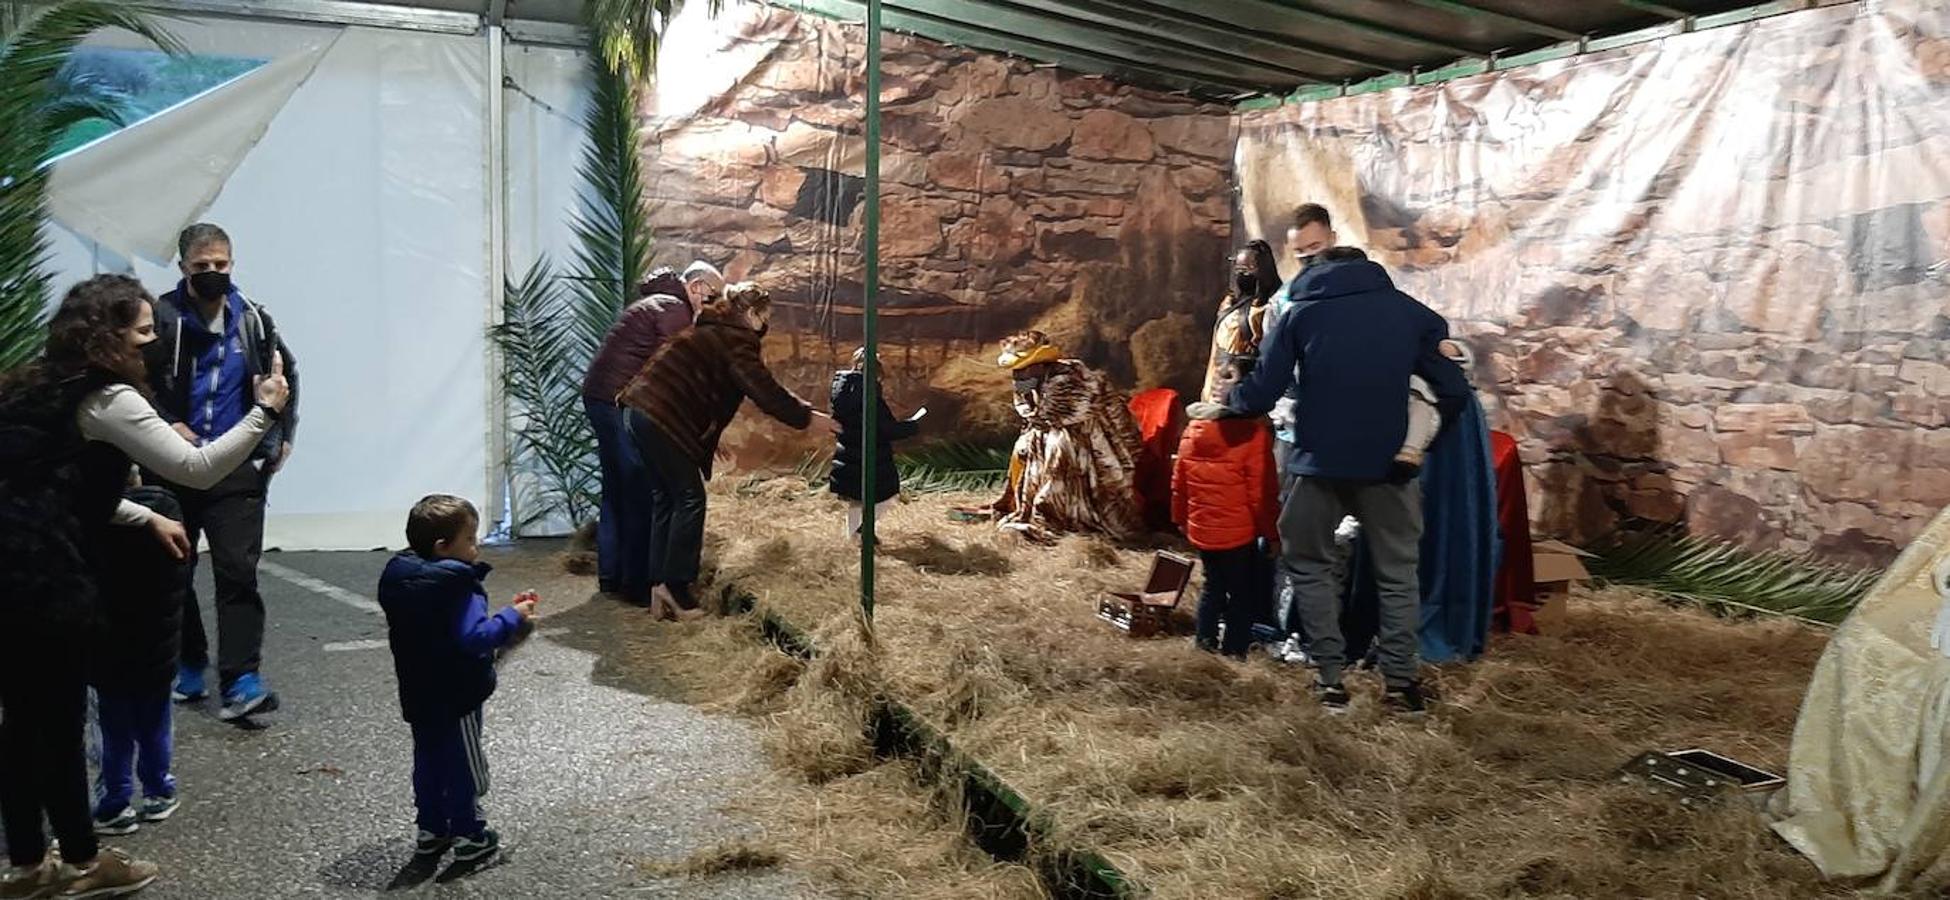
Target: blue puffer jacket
{"x":442,"y":636}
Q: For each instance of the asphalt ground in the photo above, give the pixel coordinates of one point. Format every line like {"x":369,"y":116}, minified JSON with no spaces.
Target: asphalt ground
{"x":589,"y":780}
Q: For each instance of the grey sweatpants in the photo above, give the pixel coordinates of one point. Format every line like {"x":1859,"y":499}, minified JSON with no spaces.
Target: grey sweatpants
{"x":1391,"y":523}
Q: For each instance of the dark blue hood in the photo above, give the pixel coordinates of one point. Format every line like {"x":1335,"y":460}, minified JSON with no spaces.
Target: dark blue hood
{"x":426,"y":602}
{"x":408,"y":570}
{"x":1340,"y":279}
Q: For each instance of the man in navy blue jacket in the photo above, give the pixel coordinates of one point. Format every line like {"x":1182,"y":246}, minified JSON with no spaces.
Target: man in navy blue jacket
{"x":444,"y":643}
{"x":211,"y":344}
{"x":1348,"y":344}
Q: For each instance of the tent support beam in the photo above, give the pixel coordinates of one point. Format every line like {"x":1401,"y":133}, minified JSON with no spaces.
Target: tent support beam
{"x":870,"y":317}
{"x":1658,"y":9}
{"x":499,"y":476}
{"x":378,"y":15}
{"x":1528,"y":25}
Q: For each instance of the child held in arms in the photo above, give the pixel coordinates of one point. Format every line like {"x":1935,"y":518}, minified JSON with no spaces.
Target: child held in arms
{"x":1424,"y":422}
{"x":444,"y":643}
{"x":849,"y":411}
{"x":1224,"y":487}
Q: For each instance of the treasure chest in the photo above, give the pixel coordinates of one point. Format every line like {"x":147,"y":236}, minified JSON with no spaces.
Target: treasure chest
{"x":1147,"y":613}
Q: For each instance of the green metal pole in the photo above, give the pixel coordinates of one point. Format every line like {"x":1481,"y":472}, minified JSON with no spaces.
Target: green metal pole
{"x":870,"y":314}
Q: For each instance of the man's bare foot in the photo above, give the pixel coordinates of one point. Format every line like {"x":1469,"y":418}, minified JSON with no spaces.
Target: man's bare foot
{"x":662,"y":606}
{"x":677,"y":611}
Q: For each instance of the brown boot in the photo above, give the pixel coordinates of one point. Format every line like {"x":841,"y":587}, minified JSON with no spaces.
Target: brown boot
{"x":112,"y":874}
{"x":44,"y":880}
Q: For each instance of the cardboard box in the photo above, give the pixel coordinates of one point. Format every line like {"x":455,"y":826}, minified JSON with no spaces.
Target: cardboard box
{"x":1557,"y":566}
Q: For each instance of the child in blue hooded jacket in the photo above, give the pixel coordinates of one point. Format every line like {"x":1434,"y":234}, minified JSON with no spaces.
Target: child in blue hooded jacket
{"x":444,"y":642}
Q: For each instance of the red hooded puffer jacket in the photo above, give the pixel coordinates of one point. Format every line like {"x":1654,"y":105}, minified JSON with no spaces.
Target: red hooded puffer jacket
{"x":1225,"y":484}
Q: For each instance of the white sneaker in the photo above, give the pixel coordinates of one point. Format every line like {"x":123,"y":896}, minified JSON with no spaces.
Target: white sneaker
{"x":1291,"y":653}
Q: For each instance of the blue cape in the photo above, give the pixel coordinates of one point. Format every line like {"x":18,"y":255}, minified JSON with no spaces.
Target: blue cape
{"x":1461,"y":548}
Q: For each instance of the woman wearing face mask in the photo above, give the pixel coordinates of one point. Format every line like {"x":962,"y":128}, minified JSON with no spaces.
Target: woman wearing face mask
{"x":1242,"y":314}
{"x":70,"y":425}
{"x":679,"y":405}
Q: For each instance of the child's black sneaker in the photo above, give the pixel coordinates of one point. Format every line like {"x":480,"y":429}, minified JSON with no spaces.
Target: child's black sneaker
{"x":156,"y":809}
{"x":430,"y":844}
{"x":1333,"y":697}
{"x":1406,"y":700}
{"x":478,"y":847}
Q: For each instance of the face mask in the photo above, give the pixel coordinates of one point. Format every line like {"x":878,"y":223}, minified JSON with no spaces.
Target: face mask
{"x":1308,"y":260}
{"x":1248,"y":283}
{"x":211,"y":285}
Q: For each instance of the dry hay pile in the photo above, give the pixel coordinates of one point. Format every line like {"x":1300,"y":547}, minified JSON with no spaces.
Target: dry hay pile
{"x":1207,"y":778}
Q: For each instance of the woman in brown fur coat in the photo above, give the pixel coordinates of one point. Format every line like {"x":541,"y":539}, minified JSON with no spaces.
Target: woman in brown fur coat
{"x":679,"y":405}
{"x":1073,"y":469}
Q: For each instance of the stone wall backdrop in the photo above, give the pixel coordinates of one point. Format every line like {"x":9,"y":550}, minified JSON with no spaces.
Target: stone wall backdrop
{"x":1705,"y":277}
{"x":1014,"y":196}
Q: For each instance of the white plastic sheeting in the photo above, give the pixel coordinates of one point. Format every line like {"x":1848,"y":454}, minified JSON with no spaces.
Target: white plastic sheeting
{"x":107,"y":190}
{"x":548,"y":94}
{"x":360,"y":222}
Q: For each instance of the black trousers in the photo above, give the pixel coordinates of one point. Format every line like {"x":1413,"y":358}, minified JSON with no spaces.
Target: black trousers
{"x":676,"y":507}
{"x":43,"y":766}
{"x":1235,"y":591}
{"x":231,"y":515}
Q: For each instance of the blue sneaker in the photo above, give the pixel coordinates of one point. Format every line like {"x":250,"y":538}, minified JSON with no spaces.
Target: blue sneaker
{"x":246,"y":695}
{"x":189,"y":686}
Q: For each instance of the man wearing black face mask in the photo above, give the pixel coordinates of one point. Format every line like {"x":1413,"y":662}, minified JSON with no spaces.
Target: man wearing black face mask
{"x":211,"y":344}
{"x":1310,"y":231}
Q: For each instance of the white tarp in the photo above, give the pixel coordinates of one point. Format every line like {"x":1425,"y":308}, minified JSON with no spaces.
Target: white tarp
{"x":360,"y":222}
{"x":108,"y":189}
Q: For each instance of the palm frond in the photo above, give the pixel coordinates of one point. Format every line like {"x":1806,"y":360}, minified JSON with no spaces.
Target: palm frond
{"x":552,"y":327}
{"x":1728,"y":579}
{"x":542,"y":377}
{"x":34,"y":48}
{"x":953,"y":466}
{"x":75,"y":97}
{"x":629,"y":32}
{"x":612,"y":228}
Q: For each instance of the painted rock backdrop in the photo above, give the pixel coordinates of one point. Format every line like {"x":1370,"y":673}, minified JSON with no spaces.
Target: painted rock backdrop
{"x":1705,"y":277}
{"x":1015,"y":196}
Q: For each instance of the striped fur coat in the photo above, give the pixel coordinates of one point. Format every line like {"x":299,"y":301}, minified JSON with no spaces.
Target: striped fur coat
{"x":1074,"y":465}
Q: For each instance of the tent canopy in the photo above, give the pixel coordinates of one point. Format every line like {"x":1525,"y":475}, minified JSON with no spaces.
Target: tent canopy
{"x":526,"y":21}
{"x":1219,"y":49}
{"x":1233,"y":49}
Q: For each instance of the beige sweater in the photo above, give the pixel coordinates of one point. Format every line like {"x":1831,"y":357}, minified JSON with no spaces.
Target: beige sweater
{"x":119,"y":415}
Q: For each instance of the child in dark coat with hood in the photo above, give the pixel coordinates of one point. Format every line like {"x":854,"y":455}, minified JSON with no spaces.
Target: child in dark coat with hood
{"x":849,"y":411}
{"x":444,"y":644}
{"x":141,"y":592}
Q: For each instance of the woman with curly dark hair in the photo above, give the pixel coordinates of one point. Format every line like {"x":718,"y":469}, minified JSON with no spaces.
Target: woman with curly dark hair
{"x":71,"y":423}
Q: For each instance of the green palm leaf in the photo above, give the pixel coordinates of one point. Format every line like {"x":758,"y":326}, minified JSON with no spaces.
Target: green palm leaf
{"x":953,"y":466}
{"x":542,"y":377}
{"x":612,"y":229}
{"x":33,"y":48}
{"x":1725,"y":578}
{"x":628,"y":32}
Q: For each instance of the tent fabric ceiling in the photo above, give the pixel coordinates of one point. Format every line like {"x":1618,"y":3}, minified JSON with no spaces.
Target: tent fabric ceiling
{"x":1221,"y":49}
{"x":1236,"y":48}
